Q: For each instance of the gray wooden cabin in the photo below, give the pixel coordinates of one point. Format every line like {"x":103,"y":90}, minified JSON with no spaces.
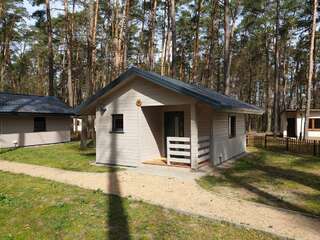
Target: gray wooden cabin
{"x":27,"y":120}
{"x":142,"y":116}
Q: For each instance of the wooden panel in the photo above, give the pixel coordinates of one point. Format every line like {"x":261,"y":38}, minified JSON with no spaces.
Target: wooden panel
{"x":180,"y":146}
{"x":203,"y":145}
{"x":179,"y":153}
{"x":203,"y":151}
{"x":203,"y":158}
{"x":180,"y":160}
{"x":178,"y":139}
{"x":223,"y":147}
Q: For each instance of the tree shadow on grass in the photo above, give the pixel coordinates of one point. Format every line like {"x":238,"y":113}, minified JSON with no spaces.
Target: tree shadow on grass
{"x":117,"y":217}
{"x":248,"y":181}
{"x":308,"y":179}
{"x":117,"y":223}
{"x":265,"y":197}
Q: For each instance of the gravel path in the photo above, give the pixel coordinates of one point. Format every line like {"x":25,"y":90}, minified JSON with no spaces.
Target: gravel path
{"x":181,"y":195}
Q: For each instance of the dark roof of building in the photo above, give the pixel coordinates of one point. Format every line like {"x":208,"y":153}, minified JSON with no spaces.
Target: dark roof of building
{"x":11,"y":103}
{"x":218,"y":101}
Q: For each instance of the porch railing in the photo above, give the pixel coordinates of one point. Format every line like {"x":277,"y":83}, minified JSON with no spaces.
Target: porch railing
{"x":178,"y":150}
{"x":203,"y":149}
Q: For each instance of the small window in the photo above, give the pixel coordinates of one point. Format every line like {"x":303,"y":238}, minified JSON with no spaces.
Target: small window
{"x":310,"y":123}
{"x":117,"y":123}
{"x":232,"y":126}
{"x":314,"y":124}
{"x":39,"y":124}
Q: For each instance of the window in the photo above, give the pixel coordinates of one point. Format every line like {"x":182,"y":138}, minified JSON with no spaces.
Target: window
{"x":232,"y":126}
{"x":314,"y":124}
{"x":39,"y":124}
{"x":117,"y":123}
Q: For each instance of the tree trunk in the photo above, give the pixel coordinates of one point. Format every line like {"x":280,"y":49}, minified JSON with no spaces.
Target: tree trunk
{"x":69,"y":37}
{"x":164,"y":39}
{"x":124,"y":35}
{"x":311,"y":67}
{"x":50,"y":49}
{"x":195,"y":70}
{"x":87,"y":122}
{"x":276,"y":74}
{"x":151,"y":35}
{"x":268,"y":90}
{"x":227,"y":32}
{"x":173,"y":37}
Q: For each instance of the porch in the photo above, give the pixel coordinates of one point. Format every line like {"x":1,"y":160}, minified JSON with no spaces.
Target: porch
{"x":179,"y":139}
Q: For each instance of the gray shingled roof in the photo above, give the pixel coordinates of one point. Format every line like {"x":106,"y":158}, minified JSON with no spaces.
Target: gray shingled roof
{"x":30,"y":104}
{"x":218,"y":101}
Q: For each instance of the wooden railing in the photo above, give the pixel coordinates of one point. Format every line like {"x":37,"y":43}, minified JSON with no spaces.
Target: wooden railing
{"x":178,"y":150}
{"x":203,"y":149}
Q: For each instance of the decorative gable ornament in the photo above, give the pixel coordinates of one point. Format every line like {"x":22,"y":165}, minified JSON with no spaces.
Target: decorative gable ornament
{"x":139,"y":103}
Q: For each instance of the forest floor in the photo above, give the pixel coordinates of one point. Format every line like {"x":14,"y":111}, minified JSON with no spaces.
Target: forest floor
{"x":278,"y":179}
{"x":66,"y":156}
{"x":34,"y":208}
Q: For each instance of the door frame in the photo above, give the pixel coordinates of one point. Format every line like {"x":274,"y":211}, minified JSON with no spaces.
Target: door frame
{"x":294,"y":128}
{"x":165,"y":114}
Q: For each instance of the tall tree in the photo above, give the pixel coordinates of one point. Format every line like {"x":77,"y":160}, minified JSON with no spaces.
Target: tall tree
{"x":152,"y":28}
{"x":311,"y":64}
{"x":173,"y":37}
{"x":69,"y":36}
{"x":195,"y":72}
{"x":276,"y":71}
{"x":50,"y":49}
{"x":229,"y":28}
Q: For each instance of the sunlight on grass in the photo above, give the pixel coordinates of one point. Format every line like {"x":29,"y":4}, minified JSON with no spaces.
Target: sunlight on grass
{"x":34,"y":208}
{"x":278,"y":179}
{"x":66,"y":156}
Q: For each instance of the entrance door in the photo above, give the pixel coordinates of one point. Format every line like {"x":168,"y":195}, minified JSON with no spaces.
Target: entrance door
{"x":173,"y":126}
{"x":291,"y":127}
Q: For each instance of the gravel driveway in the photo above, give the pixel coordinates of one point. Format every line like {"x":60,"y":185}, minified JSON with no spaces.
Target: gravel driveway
{"x":182,"y":194}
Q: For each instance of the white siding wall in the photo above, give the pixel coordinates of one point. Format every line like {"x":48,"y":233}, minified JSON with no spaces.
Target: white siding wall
{"x":20,"y":129}
{"x":143,"y":126}
{"x":204,"y":119}
{"x":143,"y":133}
{"x":223,"y":147}
{"x":299,"y":123}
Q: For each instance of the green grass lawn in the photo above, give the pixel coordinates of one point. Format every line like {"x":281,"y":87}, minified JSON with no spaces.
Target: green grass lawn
{"x":278,"y":179}
{"x":34,"y":208}
{"x":66,"y":156}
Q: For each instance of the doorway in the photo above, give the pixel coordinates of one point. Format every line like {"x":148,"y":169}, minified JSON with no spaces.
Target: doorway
{"x":291,"y":127}
{"x":173,"y":126}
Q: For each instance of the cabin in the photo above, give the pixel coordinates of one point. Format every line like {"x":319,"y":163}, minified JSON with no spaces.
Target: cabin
{"x":142,"y":116}
{"x":28,"y":120}
{"x":292,"y":124}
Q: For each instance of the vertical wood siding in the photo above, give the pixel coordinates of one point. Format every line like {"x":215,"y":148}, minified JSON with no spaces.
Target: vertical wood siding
{"x":143,"y":126}
{"x":223,"y":147}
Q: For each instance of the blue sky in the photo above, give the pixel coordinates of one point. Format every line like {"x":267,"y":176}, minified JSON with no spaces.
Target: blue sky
{"x":31,"y":9}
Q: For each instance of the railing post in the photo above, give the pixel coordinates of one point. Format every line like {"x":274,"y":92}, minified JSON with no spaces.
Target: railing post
{"x":193,"y":137}
{"x":168,"y":151}
{"x":287,"y":144}
{"x":265,"y":141}
{"x":314,"y":148}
